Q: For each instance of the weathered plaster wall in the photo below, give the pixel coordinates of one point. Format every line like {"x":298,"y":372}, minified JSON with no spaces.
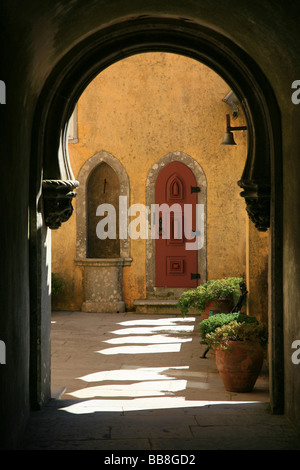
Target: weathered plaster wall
{"x":139,"y":110}
{"x":257,"y":252}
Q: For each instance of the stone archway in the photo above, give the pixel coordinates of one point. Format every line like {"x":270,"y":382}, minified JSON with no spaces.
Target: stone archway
{"x":261,"y":180}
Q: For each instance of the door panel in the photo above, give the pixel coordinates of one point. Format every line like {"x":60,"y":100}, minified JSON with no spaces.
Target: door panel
{"x":174,"y":265}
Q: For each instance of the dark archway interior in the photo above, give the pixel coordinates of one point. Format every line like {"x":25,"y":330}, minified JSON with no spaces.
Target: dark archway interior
{"x":52,"y":52}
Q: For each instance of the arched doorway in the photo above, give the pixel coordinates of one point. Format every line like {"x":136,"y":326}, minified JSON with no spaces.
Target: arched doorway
{"x":152,"y":290}
{"x":244,"y":78}
{"x":175,"y":264}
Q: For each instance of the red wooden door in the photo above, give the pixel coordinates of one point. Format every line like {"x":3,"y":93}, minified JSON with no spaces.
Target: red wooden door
{"x":175,"y":266}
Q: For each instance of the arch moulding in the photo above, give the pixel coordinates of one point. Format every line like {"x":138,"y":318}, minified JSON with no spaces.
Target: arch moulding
{"x":261,"y":181}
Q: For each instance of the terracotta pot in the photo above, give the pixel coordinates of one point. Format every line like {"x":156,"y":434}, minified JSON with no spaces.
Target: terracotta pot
{"x":217,"y":306}
{"x":239,"y":365}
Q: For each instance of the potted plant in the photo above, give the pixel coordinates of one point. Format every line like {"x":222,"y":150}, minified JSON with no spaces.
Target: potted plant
{"x":214,"y":296}
{"x":215,"y":321}
{"x":210,"y":324}
{"x":239,"y":352}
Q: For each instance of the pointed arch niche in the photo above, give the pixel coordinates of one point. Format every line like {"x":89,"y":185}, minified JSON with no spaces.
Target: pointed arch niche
{"x":166,"y":292}
{"x":102,"y":267}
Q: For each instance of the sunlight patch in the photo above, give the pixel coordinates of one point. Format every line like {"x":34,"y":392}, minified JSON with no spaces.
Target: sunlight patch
{"x":149,"y":349}
{"x":140,"y":389}
{"x":143,"y":330}
{"x":139,"y":404}
{"x":159,"y":321}
{"x":147,"y":339}
{"x":139,"y":373}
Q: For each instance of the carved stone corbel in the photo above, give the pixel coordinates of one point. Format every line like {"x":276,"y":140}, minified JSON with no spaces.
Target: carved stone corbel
{"x":57,"y":197}
{"x":257,"y":200}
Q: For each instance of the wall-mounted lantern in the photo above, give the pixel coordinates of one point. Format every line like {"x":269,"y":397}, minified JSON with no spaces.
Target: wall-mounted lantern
{"x":228,"y":136}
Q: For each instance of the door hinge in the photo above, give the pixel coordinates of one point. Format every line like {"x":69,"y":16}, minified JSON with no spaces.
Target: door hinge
{"x":195,"y":276}
{"x":195,"y":189}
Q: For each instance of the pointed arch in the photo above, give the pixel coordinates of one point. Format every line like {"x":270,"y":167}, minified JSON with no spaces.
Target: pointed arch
{"x":261,"y":180}
{"x":83,"y":177}
{"x":174,"y":188}
{"x":195,"y":167}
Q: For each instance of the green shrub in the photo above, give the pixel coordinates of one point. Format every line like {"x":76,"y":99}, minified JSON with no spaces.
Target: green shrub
{"x":210,"y":324}
{"x":57,"y":285}
{"x":214,"y":289}
{"x":238,"y":331}
{"x":194,"y":298}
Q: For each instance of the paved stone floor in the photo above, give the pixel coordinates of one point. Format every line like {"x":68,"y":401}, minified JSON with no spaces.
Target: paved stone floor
{"x":129,"y":382}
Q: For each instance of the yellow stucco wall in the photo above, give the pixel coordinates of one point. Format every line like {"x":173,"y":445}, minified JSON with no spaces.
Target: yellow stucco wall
{"x":139,"y":110}
{"x":257,"y":271}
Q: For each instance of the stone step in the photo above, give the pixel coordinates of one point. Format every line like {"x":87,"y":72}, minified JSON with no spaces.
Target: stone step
{"x":159,"y":306}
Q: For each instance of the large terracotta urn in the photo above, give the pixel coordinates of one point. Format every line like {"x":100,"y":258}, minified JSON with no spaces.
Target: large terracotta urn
{"x":239,"y":365}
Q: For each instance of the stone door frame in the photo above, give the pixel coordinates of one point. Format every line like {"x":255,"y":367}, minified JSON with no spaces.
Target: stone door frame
{"x":153,"y":291}
{"x":81,"y":204}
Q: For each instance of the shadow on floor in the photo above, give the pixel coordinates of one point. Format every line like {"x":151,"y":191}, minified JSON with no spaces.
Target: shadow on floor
{"x":133,"y":382}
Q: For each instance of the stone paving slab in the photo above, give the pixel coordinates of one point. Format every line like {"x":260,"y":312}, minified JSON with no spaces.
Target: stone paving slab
{"x":148,"y":395}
